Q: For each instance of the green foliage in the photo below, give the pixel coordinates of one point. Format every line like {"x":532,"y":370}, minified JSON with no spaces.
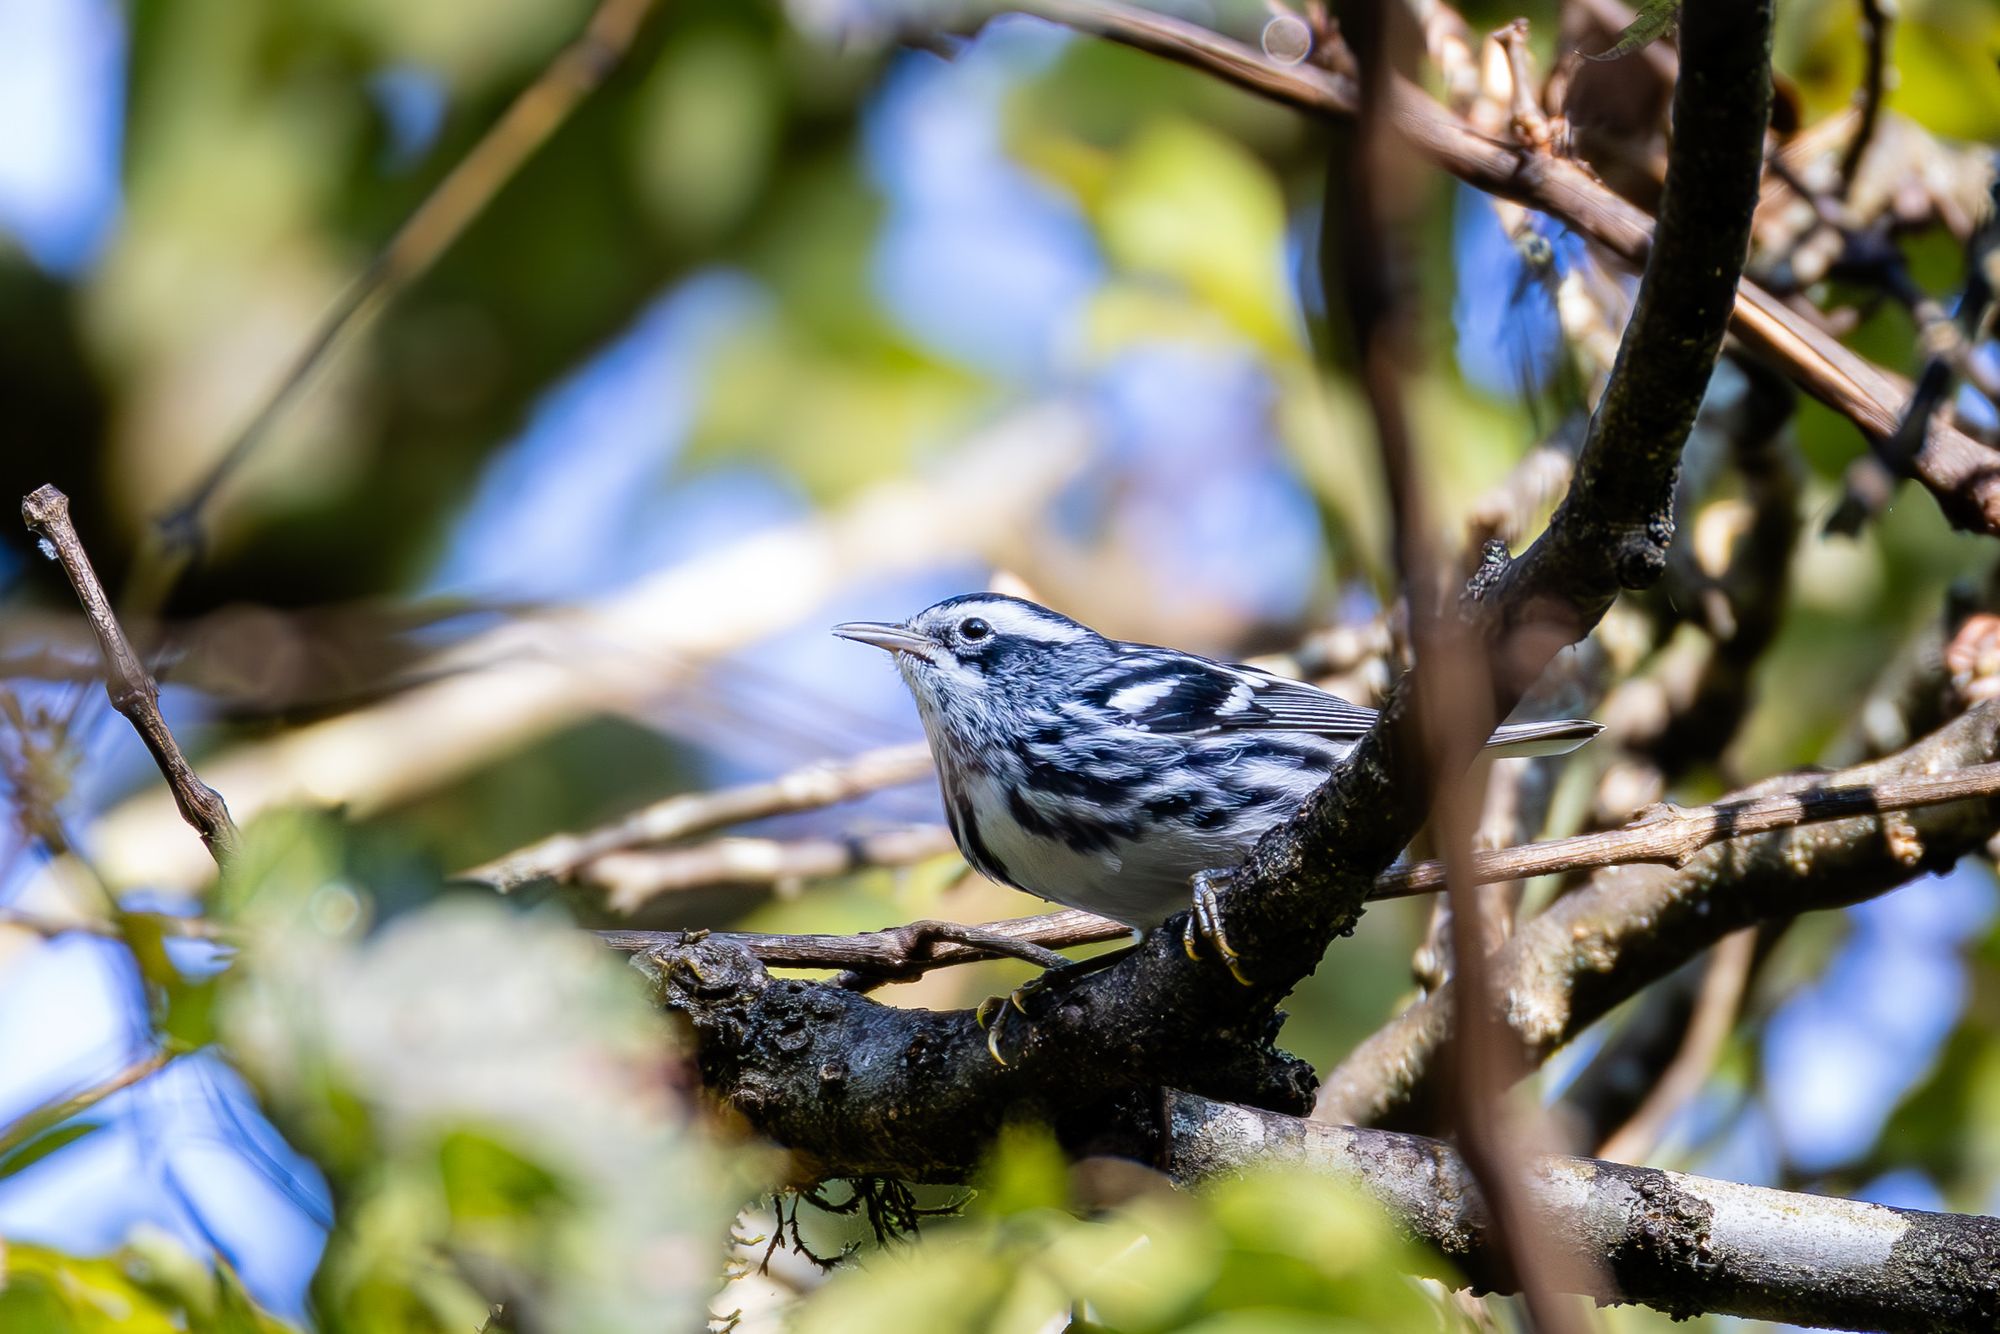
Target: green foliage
{"x":150,"y":1286}
{"x":1269,"y":1252}
{"x":476,"y":1084}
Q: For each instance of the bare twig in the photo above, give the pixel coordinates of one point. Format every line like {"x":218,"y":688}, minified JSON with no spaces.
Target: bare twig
{"x":131,"y":688}
{"x":1672,"y":835}
{"x":1453,"y":692}
{"x":58,"y":1110}
{"x":685,"y":814}
{"x":535,"y":114}
{"x":1723,"y":983}
{"x":632,"y":879}
{"x":1875,"y":35}
{"x":170,"y":925}
{"x":1667,"y":836}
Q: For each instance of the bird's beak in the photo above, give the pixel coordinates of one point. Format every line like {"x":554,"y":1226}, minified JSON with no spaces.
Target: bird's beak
{"x":891,"y":637}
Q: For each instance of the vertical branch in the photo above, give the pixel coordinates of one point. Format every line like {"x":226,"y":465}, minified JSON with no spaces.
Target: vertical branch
{"x":1452,"y":693}
{"x":126,"y":680}
{"x":1613,"y":528}
{"x":1875,"y":34}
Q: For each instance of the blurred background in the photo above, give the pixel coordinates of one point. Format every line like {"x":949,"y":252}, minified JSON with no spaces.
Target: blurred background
{"x":789,"y":322}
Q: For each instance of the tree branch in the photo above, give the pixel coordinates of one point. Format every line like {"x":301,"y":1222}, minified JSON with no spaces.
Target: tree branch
{"x":678,"y":816}
{"x":1682,"y":1244}
{"x":632,"y":879}
{"x":58,"y":1110}
{"x":1667,"y":835}
{"x":1962,"y":474}
{"x":1875,"y":40}
{"x":1630,"y":925}
{"x":859,"y":1088}
{"x":128,"y":683}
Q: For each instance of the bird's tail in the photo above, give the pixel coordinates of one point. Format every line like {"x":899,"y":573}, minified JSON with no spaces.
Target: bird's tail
{"x":1559,"y":737}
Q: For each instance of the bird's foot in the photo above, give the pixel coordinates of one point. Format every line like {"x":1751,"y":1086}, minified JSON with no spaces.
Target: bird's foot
{"x":995,"y":1014}
{"x":1203,"y":933}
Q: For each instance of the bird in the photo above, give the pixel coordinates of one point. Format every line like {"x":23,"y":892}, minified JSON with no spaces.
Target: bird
{"x":1120,"y":777}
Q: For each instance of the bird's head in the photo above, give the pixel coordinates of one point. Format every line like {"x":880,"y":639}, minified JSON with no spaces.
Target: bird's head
{"x":973,"y":659}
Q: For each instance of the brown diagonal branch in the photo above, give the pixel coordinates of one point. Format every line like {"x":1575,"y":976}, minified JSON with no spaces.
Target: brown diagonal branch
{"x":1962,"y":474}
{"x":128,"y":683}
{"x":58,"y":1110}
{"x":1369,"y":200}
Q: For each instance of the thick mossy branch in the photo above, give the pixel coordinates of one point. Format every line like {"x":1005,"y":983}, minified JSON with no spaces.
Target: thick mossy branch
{"x":857,"y":1088}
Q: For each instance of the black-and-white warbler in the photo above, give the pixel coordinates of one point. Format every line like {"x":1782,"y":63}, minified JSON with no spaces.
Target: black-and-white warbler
{"x":1107,"y":775}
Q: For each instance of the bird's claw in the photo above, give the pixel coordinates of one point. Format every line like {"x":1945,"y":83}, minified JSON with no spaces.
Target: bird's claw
{"x":1204,"y":926}
{"x":992,"y":1013}
{"x":991,"y":1016}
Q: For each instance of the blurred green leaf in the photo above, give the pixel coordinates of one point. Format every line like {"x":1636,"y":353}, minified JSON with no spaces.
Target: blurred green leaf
{"x":150,"y":1287}
{"x":1026,"y":1171}
{"x":1188,"y":205}
{"x":1270,"y":1251}
{"x":706,"y":129}
{"x":484,"y":1087}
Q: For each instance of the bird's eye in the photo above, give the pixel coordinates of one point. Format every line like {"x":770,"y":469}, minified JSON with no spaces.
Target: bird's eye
{"x":973,"y":628}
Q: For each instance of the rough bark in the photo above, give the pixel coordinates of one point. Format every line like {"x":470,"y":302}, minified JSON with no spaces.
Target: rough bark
{"x":1682,"y":1244}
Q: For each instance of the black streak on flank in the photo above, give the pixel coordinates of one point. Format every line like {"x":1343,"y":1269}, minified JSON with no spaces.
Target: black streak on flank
{"x":965,"y":826}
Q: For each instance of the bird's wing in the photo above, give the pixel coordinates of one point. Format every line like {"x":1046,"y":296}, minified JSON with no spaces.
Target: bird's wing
{"x":1171,"y":692}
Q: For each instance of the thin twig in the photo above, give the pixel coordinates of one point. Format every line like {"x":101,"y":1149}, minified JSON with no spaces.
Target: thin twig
{"x":1666,"y":836}
{"x":58,"y":1110}
{"x":535,"y":114}
{"x":131,"y":688}
{"x":689,"y":813}
{"x":631,"y":879}
{"x":1715,"y":1008}
{"x":1453,"y":687}
{"x":1671,"y":835}
{"x":170,"y":925}
{"x":1875,"y":34}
